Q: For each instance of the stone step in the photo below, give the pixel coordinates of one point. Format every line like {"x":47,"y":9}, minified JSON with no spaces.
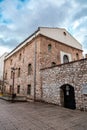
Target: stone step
{"x":17,"y":98}
{"x":30,"y":99}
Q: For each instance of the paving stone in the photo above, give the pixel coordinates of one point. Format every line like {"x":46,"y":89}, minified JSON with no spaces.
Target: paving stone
{"x":40,"y":116}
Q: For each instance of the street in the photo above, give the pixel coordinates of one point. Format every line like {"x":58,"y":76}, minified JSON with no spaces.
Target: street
{"x":40,"y":116}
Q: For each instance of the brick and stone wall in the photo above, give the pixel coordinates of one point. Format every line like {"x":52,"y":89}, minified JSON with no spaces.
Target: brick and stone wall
{"x":27,"y":57}
{"x":74,"y":74}
{"x":44,"y":58}
{"x":54,"y":55}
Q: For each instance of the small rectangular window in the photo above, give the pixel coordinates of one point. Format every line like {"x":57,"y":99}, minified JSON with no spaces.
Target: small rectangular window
{"x":19,"y":71}
{"x":49,"y":47}
{"x":18,"y":89}
{"x":29,"y":69}
{"x":10,"y":90}
{"x":29,"y":89}
{"x":77,"y":56}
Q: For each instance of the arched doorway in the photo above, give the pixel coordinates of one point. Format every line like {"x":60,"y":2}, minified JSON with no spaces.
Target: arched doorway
{"x":67,"y":96}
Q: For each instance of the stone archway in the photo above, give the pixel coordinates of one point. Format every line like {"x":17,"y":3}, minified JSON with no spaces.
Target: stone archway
{"x":67,"y":96}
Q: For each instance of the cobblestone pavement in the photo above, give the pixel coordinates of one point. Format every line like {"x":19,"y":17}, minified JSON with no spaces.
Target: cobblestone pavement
{"x":40,"y":116}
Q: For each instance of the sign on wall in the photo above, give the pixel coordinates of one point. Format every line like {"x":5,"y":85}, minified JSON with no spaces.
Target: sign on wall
{"x":84,"y":89}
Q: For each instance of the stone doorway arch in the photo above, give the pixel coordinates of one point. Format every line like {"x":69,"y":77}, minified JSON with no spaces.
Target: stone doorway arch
{"x":67,"y":96}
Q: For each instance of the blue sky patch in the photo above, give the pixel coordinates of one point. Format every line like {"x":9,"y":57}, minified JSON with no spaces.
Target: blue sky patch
{"x":7,"y":21}
{"x":1,"y":0}
{"x":24,"y":0}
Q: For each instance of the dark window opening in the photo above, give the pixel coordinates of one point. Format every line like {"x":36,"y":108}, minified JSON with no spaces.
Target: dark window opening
{"x":29,"y":69}
{"x":29,"y":89}
{"x":20,"y":56}
{"x":77,"y":56}
{"x":18,"y":89}
{"x":10,"y":89}
{"x":67,"y":96}
{"x":65,"y":59}
{"x":19,"y":72}
{"x":11,"y":62}
{"x":49,"y":47}
{"x":53,"y":64}
{"x":64,"y":33}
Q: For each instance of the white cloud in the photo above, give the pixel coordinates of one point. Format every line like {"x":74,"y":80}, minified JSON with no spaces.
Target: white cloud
{"x":20,"y":19}
{"x":4,"y":49}
{"x":76,"y":24}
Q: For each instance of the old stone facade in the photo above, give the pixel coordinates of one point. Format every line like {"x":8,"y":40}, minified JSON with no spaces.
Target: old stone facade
{"x":72,"y":74}
{"x":55,"y":55}
{"x":42,"y":49}
{"x":21,"y":60}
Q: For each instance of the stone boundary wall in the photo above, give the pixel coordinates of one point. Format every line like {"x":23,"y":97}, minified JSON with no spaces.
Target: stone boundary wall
{"x":73,"y":73}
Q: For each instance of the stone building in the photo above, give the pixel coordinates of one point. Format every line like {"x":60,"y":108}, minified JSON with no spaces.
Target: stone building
{"x":66,"y":84}
{"x":2,"y":69}
{"x":46,"y":47}
{"x":2,"y":57}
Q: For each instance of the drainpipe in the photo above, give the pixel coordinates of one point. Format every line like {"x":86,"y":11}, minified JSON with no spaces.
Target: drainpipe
{"x":35,"y":52}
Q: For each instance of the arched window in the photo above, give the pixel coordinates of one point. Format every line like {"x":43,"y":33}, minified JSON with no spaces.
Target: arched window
{"x":64,"y":33}
{"x":29,"y":69}
{"x":77,"y":56}
{"x":18,"y":89}
{"x":29,"y":89}
{"x":49,"y":47}
{"x":65,"y":59}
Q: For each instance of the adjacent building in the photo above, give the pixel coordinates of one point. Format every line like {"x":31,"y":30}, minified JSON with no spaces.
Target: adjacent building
{"x":46,"y":47}
{"x":2,"y":69}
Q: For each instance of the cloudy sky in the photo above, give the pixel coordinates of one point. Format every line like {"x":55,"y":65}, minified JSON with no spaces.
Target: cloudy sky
{"x":20,"y":18}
